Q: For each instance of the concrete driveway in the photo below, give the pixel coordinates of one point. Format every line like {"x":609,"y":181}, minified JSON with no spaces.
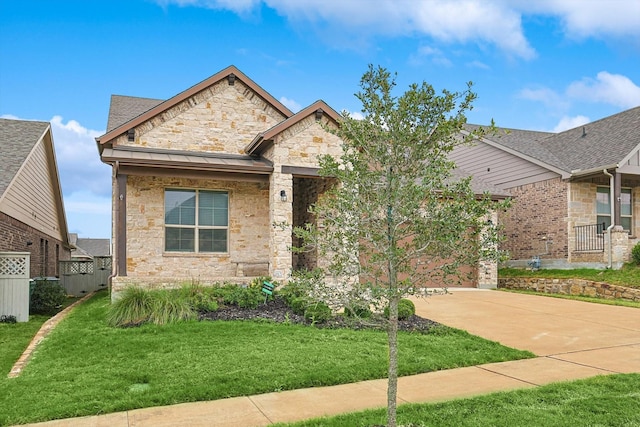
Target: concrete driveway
{"x":600,"y":336}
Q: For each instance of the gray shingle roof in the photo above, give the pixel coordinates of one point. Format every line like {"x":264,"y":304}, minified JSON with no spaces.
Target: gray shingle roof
{"x":604,"y":142}
{"x":17,"y":139}
{"x":125,"y":108}
{"x":95,"y":247}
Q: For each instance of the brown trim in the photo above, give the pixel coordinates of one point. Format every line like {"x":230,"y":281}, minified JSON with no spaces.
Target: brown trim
{"x":166,"y":105}
{"x":261,"y":140}
{"x":192,"y":173}
{"x":121,"y":224}
{"x":301,"y":171}
{"x":183,"y":160}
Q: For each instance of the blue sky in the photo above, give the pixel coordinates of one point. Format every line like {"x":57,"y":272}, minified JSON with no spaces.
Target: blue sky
{"x":542,"y":65}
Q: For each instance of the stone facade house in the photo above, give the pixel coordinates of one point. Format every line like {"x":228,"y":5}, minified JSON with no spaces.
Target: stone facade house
{"x":203,"y":181}
{"x":32,"y":217}
{"x":576,"y":193}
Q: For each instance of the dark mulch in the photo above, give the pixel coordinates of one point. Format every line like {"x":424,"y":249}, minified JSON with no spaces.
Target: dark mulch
{"x":277,"y":311}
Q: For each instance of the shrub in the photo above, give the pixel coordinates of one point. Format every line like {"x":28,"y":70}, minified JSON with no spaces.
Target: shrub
{"x":169,"y":307}
{"x":359,"y":309}
{"x":200,"y":298}
{"x":133,"y":307}
{"x":635,"y":253}
{"x":299,"y":305}
{"x":47,"y":297}
{"x":406,"y":309}
{"x":8,"y":318}
{"x":317,"y":312}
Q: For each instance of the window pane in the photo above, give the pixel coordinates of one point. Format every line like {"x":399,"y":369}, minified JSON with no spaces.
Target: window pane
{"x":179,"y":239}
{"x":626,"y":223}
{"x":625,"y":202}
{"x":213,"y":209}
{"x":212,"y":240}
{"x":602,"y":200}
{"x":605,"y":219}
{"x":180,"y":207}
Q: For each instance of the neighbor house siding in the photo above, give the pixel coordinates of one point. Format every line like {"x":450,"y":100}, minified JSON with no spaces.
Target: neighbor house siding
{"x":248,"y":233}
{"x":31,"y":196}
{"x":219,"y":119}
{"x":538,"y":214}
{"x":497,"y":167}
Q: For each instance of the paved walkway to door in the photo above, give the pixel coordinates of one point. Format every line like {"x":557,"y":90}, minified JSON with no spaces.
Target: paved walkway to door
{"x":572,"y":339}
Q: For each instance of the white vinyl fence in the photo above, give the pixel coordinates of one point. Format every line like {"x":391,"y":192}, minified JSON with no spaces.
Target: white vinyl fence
{"x":14,"y":285}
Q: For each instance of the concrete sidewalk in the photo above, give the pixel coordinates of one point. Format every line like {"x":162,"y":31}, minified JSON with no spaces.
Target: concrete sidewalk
{"x":573,"y":340}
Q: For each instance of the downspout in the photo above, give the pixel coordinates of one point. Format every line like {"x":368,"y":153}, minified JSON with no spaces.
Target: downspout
{"x":613,"y":221}
{"x":114,"y":265}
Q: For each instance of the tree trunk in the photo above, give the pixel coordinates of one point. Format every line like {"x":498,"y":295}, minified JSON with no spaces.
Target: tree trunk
{"x":392,"y":387}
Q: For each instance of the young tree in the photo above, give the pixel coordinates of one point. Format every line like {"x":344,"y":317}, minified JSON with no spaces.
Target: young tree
{"x":399,"y":217}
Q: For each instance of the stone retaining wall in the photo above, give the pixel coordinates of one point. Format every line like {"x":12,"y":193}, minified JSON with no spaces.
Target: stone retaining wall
{"x":578,"y":287}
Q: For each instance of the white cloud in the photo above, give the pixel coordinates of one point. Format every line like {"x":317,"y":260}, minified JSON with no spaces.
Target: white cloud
{"x":78,"y":160}
{"x":478,"y":64}
{"x":290,"y":104}
{"x":237,"y":6}
{"x":588,"y":18}
{"x":434,"y":54}
{"x":614,"y":89}
{"x":547,"y":96}
{"x":570,"y":122}
{"x":88,"y":215}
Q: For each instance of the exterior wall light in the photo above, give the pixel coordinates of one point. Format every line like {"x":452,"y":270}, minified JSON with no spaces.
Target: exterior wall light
{"x":319,"y":114}
{"x":283,"y":195}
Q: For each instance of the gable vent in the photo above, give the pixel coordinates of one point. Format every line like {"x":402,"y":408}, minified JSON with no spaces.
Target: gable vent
{"x":131,"y":135}
{"x":231,"y":78}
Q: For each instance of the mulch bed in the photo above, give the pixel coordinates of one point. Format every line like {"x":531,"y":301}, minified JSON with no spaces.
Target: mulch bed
{"x":277,"y":311}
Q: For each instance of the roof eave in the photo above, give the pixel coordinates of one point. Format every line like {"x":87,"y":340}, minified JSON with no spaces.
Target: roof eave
{"x":114,"y":133}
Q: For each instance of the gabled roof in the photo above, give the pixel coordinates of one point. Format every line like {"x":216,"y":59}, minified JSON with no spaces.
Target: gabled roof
{"x":263,"y":139}
{"x":125,"y":108}
{"x":604,"y":143}
{"x":94,"y":247}
{"x":133,"y":105}
{"x":18,"y":139}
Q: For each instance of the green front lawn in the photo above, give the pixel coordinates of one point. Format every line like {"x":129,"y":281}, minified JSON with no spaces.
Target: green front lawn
{"x":85,"y":367}
{"x":600,"y":401}
{"x":628,"y":275}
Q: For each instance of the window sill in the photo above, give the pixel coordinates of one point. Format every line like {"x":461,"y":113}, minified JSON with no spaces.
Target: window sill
{"x":195,"y":254}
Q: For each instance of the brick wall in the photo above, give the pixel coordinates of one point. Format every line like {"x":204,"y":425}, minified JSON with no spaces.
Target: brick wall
{"x":539,"y":210}
{"x":45,"y":250}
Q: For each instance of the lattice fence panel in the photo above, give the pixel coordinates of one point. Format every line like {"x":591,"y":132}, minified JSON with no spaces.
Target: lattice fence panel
{"x":14,"y":265}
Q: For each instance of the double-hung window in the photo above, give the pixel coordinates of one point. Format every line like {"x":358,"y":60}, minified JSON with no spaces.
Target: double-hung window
{"x":603,"y":206}
{"x":196,"y":221}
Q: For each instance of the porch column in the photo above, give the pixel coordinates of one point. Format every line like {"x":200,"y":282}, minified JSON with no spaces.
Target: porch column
{"x":487,"y":272}
{"x":121,"y":225}
{"x":281,"y":221}
{"x":617,"y":177}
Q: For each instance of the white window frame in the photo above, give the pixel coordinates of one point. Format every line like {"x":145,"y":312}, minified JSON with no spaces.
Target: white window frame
{"x":196,"y":227}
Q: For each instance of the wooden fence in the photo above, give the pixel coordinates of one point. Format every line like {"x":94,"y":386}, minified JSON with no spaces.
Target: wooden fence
{"x":79,"y":278}
{"x":14,"y":285}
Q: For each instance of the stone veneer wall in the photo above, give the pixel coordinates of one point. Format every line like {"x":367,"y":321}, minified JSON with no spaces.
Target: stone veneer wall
{"x":219,"y":119}
{"x":578,"y":287}
{"x":539,"y":210}
{"x":147,"y":262}
{"x":298,"y":145}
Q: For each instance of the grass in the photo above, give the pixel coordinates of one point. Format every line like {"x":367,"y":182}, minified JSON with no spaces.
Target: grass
{"x":85,"y":367}
{"x":599,"y":401}
{"x":628,"y":275}
{"x":14,"y":339}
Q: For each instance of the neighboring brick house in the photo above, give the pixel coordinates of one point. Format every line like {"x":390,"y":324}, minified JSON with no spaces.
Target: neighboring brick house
{"x":204,"y":182}
{"x":561,"y":184}
{"x":32,"y":217}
